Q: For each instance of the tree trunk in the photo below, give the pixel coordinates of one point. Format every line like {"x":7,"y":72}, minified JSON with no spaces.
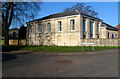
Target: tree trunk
{"x":7,"y":20}
{"x":7,"y":37}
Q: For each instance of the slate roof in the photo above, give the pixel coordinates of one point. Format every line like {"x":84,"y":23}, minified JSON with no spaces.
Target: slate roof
{"x":63,"y":14}
{"x":69,"y":13}
{"x":110,"y":27}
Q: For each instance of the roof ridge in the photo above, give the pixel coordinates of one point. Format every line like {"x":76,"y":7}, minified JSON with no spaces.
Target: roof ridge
{"x":62,"y":14}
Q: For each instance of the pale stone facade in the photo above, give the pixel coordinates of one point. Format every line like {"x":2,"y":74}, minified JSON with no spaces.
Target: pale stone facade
{"x":68,"y":29}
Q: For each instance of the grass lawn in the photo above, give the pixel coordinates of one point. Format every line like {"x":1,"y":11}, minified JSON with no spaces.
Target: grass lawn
{"x":56,"y":48}
{"x":3,"y":42}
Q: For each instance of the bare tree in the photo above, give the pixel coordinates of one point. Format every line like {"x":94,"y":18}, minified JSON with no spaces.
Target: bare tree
{"x":17,"y":12}
{"x":82,"y":8}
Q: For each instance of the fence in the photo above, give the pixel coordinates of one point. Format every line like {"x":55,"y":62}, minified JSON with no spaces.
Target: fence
{"x":17,"y":42}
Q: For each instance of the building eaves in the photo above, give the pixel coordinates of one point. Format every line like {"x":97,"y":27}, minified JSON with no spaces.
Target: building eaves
{"x":63,"y":14}
{"x":109,"y":27}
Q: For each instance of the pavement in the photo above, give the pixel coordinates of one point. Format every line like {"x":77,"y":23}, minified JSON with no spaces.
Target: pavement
{"x":102,"y":63}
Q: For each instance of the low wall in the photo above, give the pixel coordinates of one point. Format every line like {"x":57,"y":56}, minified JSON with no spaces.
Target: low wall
{"x":102,"y":42}
{"x":15,"y":42}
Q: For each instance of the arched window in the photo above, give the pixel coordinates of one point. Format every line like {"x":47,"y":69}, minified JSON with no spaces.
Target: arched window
{"x":58,"y":38}
{"x":112,"y":35}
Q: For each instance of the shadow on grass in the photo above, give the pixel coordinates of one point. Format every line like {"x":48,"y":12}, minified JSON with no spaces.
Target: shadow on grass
{"x":9,"y":48}
{"x":8,"y":57}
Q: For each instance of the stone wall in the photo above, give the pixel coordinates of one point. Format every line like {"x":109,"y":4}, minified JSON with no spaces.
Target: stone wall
{"x":102,"y":42}
{"x":68,"y":37}
{"x":104,"y":33}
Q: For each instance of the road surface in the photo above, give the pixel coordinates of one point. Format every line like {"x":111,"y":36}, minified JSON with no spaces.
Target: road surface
{"x":31,"y":65}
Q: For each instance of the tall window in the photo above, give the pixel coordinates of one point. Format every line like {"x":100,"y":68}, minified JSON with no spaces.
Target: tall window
{"x":108,"y":35}
{"x":59,"y":26}
{"x":30,"y":29}
{"x":48,"y":27}
{"x":72,"y":24}
{"x":39,"y":28}
{"x":97,"y":30}
{"x":84,"y":24}
{"x":97,"y":27}
{"x":112,"y":35}
{"x":91,"y":29}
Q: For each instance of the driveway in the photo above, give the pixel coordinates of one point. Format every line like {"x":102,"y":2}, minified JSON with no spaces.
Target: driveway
{"x":104,"y":64}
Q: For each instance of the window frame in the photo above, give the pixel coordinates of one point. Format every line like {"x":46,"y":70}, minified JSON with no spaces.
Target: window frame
{"x":49,"y":27}
{"x":98,"y":24}
{"x":113,"y":36}
{"x":72,"y":27}
{"x":91,"y":28}
{"x":59,"y":26}
{"x":40,"y":28}
{"x":30,"y":29}
{"x":84,"y":28}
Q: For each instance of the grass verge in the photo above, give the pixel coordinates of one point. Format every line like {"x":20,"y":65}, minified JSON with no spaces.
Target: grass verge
{"x":55,"y":48}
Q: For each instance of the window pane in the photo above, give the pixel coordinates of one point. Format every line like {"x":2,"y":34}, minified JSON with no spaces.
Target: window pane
{"x":39,"y":27}
{"x":59,"y":26}
{"x":97,"y":28}
{"x":91,"y":29}
{"x":48,"y":27}
{"x":30,"y":29}
{"x":112,"y":35}
{"x":72,"y":24}
{"x":84,"y":25}
{"x":84,"y":21}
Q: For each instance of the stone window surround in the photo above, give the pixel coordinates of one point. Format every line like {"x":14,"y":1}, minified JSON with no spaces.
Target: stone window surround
{"x":40,"y":28}
{"x":91,"y":28}
{"x":30,"y":29}
{"x":59,"y":26}
{"x":72,"y":25}
{"x":95,"y":34}
{"x":84,"y":28}
{"x":48,"y":29}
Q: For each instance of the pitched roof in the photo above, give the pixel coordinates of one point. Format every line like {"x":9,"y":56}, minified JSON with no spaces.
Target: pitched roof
{"x":110,"y":27}
{"x":63,"y":14}
{"x":69,"y":13}
{"x":118,"y":26}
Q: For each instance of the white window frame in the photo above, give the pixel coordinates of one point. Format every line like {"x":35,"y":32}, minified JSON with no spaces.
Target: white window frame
{"x":47,"y":27}
{"x":30,"y":29}
{"x":59,"y":26}
{"x":39,"y":28}
{"x":84,"y":31}
{"x":92,"y":29}
{"x":72,"y":26}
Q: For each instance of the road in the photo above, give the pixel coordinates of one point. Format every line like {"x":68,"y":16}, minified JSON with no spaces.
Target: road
{"x":31,"y":65}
